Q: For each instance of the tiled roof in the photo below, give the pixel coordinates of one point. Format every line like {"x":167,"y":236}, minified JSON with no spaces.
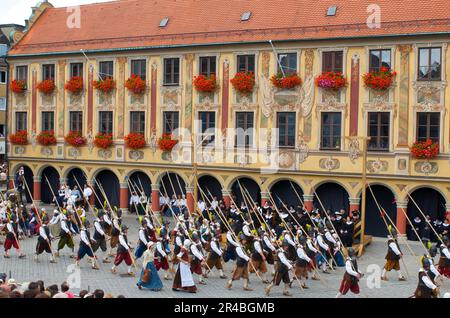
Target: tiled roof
{"x":135,"y":23}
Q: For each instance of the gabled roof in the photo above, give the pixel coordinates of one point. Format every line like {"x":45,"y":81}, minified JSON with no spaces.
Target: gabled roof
{"x":135,"y":23}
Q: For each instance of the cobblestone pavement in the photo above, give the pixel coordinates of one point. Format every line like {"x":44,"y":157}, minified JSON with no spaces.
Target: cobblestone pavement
{"x":371,"y":263}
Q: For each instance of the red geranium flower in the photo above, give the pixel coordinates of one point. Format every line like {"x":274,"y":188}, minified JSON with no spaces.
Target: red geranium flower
{"x":166,"y":143}
{"x":243,"y":82}
{"x":47,"y":86}
{"x":18,"y":86}
{"x":19,"y":138}
{"x":135,"y":140}
{"x":74,"y":85}
{"x":75,"y":139}
{"x":379,"y":80}
{"x":425,"y":149}
{"x":331,"y":80}
{"x":205,"y":84}
{"x":287,"y":82}
{"x":106,"y":85}
{"x":136,"y":84}
{"x":46,"y":138}
{"x":103,"y":140}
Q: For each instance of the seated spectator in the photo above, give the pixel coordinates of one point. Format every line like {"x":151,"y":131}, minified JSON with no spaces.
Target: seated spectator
{"x":98,"y":293}
{"x":65,"y":289}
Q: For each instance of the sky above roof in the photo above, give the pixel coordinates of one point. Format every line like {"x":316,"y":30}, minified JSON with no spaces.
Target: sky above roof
{"x":17,"y":11}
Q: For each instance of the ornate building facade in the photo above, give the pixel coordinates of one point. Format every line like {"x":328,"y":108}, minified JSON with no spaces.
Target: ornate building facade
{"x":306,"y":137}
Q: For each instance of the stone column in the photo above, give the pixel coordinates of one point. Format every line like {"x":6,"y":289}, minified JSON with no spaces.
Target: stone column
{"x":355,"y":204}
{"x":155,"y":198}
{"x":124,"y":196}
{"x":36,"y":189}
{"x":190,"y":199}
{"x":226,"y":196}
{"x":264,"y":197}
{"x":401,"y":216}
{"x":11,"y":182}
{"x":308,"y":200}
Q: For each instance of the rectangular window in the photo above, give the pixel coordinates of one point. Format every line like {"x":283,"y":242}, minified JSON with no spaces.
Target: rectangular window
{"x":430,"y":64}
{"x":286,"y":129}
{"x":378,"y":130}
{"x":105,"y":122}
{"x":2,"y":103}
{"x":208,"y":65}
{"x":139,"y":68}
{"x":331,"y":131}
{"x":246,"y":63}
{"x":170,"y":122}
{"x":171,"y":71}
{"x":379,"y":59}
{"x":2,"y":77}
{"x":22,"y":73}
{"x":244,"y":129}
{"x":106,"y":69}
{"x":137,"y":122}
{"x":21,"y":121}
{"x":48,"y":72}
{"x":333,"y":61}
{"x":48,"y":121}
{"x":428,"y":126}
{"x":76,"y":121}
{"x":76,"y":69}
{"x":288,"y":62}
{"x":207,"y":123}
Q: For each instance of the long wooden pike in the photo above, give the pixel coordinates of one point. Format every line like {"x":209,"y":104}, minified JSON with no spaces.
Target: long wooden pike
{"x":424,"y":216}
{"x":89,"y":204}
{"x":223,"y":218}
{"x":147,"y":212}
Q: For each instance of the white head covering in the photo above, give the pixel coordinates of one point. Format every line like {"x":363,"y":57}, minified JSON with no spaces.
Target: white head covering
{"x":187,"y":243}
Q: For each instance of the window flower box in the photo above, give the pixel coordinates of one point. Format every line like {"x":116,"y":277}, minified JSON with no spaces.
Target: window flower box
{"x":331,"y":81}
{"x":379,"y":80}
{"x":18,"y":86}
{"x":103,"y":140}
{"x":136,"y":85}
{"x":166,"y":142}
{"x":425,"y":149}
{"x":290,"y":81}
{"x":46,"y":138}
{"x":19,"y":138}
{"x":106,"y":85}
{"x":74,"y":85}
{"x":135,"y":141}
{"x":75,"y":139}
{"x":205,"y":84}
{"x":46,"y":87}
{"x":243,"y":82}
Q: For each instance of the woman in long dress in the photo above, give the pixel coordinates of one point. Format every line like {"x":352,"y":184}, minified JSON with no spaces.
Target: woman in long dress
{"x":183,"y":280}
{"x":152,"y":280}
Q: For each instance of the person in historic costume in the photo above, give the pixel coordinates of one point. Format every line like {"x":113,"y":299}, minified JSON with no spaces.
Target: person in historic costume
{"x":312,"y":252}
{"x":44,"y":241}
{"x":149,"y":278}
{"x":325,"y":250}
{"x":337,"y":253}
{"x":347,"y":231}
{"x":65,"y":235}
{"x":205,"y":234}
{"x":34,"y":221}
{"x":291,"y":246}
{"x":425,"y":287}
{"x":87,"y":193}
{"x":178,"y":244}
{"x":393,"y":256}
{"x":183,"y":280}
{"x":352,"y":275}
{"x":444,"y":260}
{"x":417,"y":227}
{"x":283,"y":266}
{"x":258,"y":259}
{"x":85,"y":247}
{"x":230,"y":251}
{"x":123,"y":252}
{"x":269,"y":249}
{"x":302,"y":262}
{"x":215,"y":256}
{"x":144,"y":239}
{"x":198,"y":259}
{"x":134,"y":202}
{"x":241,"y":268}
{"x":161,"y":258}
{"x":115,"y":233}
{"x":11,"y":237}
{"x":332,"y":242}
{"x":99,"y":237}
